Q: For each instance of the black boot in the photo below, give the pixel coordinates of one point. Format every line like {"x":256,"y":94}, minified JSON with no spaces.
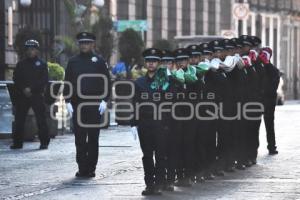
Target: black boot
{"x":16,"y":146}
{"x":151,"y":190}
{"x":273,"y":152}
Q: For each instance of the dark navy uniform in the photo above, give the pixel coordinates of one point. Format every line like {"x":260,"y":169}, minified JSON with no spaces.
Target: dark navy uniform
{"x":151,"y":131}
{"x":87,"y":133}
{"x":270,"y":85}
{"x":31,"y":73}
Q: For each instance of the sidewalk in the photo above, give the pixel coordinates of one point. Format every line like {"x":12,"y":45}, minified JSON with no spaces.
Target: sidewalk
{"x":49,"y":174}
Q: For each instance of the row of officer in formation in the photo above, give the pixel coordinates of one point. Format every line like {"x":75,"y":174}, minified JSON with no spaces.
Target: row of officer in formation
{"x":180,"y":150}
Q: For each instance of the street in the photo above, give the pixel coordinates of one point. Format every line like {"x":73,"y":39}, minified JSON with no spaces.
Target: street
{"x":49,"y":174}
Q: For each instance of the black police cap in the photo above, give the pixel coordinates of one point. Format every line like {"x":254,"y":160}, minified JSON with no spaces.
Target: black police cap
{"x":85,"y":37}
{"x":237,"y":42}
{"x":181,"y":53}
{"x":152,"y":53}
{"x":205,"y":49}
{"x":32,"y":43}
{"x":227,"y":44}
{"x":194,"y":49}
{"x":216,"y":45}
{"x":255,"y":40}
{"x":246,"y":40}
{"x":167,"y":55}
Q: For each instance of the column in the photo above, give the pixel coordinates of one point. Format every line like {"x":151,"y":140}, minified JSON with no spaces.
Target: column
{"x":271,"y":35}
{"x":253,"y":23}
{"x":164,"y":19}
{"x":193,"y":17}
{"x":205,"y":17}
{"x":113,"y":9}
{"x":131,"y":10}
{"x":278,"y":40}
{"x":150,"y":23}
{"x":263,"y":30}
{"x":218,"y":17}
{"x":179,"y":17}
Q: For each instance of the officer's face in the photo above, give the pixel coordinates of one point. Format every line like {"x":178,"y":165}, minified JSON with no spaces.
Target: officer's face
{"x":32,"y":52}
{"x":168,"y":64}
{"x":218,"y":54}
{"x":182,"y":63}
{"x":86,"y":47}
{"x":151,"y":65}
{"x":246,"y":49}
{"x":194,"y":59}
{"x":208,"y":57}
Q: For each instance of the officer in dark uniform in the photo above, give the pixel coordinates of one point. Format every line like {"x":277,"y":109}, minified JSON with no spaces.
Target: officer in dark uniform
{"x":31,"y":78}
{"x":186,"y":128}
{"x":255,"y":91}
{"x":150,"y":129}
{"x":270,"y":85}
{"x":168,"y":61}
{"x":88,"y":100}
{"x":237,"y":78}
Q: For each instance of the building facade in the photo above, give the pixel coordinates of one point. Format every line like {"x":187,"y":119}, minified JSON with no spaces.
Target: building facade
{"x":40,"y":15}
{"x":276,"y":22}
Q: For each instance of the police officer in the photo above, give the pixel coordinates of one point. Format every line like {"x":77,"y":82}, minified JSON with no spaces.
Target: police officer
{"x":186,"y":126}
{"x":150,"y":130}
{"x":270,"y":85}
{"x":88,"y":100}
{"x":31,"y":78}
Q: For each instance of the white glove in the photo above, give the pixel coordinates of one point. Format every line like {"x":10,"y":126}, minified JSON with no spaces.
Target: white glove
{"x":215,"y":64}
{"x":102,"y":107}
{"x":70,"y":108}
{"x":134,"y":132}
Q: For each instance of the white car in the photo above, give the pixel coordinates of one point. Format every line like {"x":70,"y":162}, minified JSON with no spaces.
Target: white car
{"x":280,"y":91}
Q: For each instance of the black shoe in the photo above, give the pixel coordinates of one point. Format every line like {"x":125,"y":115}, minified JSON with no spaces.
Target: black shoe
{"x":200,"y":179}
{"x":16,"y":146}
{"x":248,"y":163}
{"x":91,"y":174}
{"x":229,"y":169}
{"x":43,"y":146}
{"x":168,"y":187}
{"x":80,"y":174}
{"x":151,"y":190}
{"x":254,"y":161}
{"x":273,"y":152}
{"x":240,"y":167}
{"x":219,"y":173}
{"x":209,"y":176}
{"x":186,"y":182}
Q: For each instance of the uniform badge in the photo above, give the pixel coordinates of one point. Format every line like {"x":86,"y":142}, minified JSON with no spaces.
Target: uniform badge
{"x":37,"y":63}
{"x":153,"y":51}
{"x":94,"y":59}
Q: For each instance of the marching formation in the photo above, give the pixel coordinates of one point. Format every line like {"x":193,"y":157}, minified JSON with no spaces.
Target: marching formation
{"x":198,"y":110}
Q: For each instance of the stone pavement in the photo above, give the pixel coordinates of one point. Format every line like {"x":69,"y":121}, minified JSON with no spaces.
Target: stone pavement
{"x":49,"y":174}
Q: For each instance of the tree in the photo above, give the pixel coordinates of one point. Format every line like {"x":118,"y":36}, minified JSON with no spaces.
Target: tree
{"x":164,"y":45}
{"x":102,"y":29}
{"x":131,"y":46}
{"x":22,"y":36}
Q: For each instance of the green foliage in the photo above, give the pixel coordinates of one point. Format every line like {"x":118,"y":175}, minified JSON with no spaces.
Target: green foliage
{"x":56,"y":72}
{"x":69,"y":45}
{"x":102,"y":30}
{"x":22,"y":36}
{"x":131,"y":46}
{"x":164,"y":45}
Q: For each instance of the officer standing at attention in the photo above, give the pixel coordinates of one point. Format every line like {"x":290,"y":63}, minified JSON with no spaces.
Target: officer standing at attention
{"x":31,"y":78}
{"x":88,"y":100}
{"x":150,"y":130}
{"x":270,"y":85}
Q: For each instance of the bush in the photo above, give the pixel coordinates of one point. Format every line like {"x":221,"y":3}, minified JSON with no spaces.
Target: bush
{"x":56,"y":72}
